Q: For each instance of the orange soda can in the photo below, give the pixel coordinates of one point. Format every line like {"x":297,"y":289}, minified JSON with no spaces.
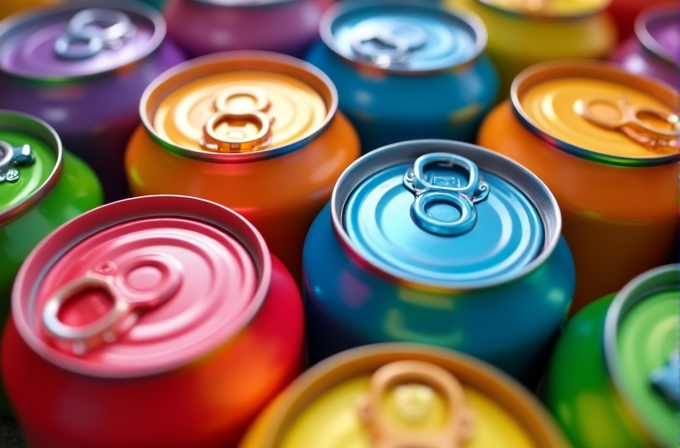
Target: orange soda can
{"x":606,"y":143}
{"x":257,"y":132}
{"x":9,"y":7}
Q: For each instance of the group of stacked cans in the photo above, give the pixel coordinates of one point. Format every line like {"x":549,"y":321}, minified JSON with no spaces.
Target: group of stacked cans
{"x":357,"y":224}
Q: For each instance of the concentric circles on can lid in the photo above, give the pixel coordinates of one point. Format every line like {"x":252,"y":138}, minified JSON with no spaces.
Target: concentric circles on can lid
{"x":549,"y":9}
{"x":658,"y":30}
{"x":444,"y":215}
{"x":403,"y":38}
{"x":141,"y":286}
{"x":599,"y":112}
{"x":30,"y":163}
{"x":79,"y":40}
{"x":238,"y":106}
{"x":642,"y":351}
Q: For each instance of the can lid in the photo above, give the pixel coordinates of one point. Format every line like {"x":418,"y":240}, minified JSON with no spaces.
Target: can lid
{"x":599,"y":112}
{"x":642,"y":352}
{"x":658,"y":30}
{"x":444,"y":215}
{"x":79,"y":40}
{"x":238,"y":106}
{"x":141,"y":286}
{"x":30,"y":163}
{"x":405,"y":38}
{"x":549,"y":9}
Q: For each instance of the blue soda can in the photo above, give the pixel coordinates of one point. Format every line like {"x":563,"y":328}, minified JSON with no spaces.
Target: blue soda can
{"x":443,"y":243}
{"x":406,"y":71}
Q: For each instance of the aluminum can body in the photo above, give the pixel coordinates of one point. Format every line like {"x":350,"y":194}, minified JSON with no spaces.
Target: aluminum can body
{"x":628,"y":404}
{"x":92,"y":102}
{"x":202,"y":27}
{"x":625,"y":12}
{"x":350,"y":302}
{"x":409,"y":378}
{"x":602,"y":179}
{"x":10,"y":7}
{"x":221,"y":334}
{"x":442,"y":91}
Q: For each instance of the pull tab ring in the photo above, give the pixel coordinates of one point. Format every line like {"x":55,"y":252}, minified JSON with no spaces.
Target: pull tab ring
{"x":397,"y":47}
{"x":11,"y":158}
{"x":82,"y":40}
{"x":235,"y":140}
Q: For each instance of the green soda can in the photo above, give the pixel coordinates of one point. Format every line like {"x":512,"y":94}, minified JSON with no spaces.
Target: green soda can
{"x":614,"y":377}
{"x":41,"y":187}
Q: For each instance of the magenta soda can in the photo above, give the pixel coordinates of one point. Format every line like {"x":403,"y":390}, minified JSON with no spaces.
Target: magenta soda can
{"x":82,"y":67}
{"x":202,"y":27}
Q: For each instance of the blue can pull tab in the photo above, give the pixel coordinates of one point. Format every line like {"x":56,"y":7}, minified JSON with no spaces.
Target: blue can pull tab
{"x":11,"y":158}
{"x":666,"y":379}
{"x":433,"y":189}
{"x":387,"y":44}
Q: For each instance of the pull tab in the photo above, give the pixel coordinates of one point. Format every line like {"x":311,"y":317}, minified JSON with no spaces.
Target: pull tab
{"x":11,"y":158}
{"x":387,"y":44}
{"x":666,"y":379}
{"x":445,"y":192}
{"x":128,"y":302}
{"x":91,"y":30}
{"x":415,"y":385}
{"x":236,"y":138}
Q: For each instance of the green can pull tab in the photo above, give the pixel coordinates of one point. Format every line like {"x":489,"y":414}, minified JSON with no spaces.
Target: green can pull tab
{"x":666,"y":379}
{"x":11,"y":158}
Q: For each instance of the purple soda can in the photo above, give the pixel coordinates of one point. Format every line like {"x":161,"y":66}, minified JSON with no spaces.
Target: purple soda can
{"x":82,"y":68}
{"x":201,"y":27}
{"x":654,"y":50}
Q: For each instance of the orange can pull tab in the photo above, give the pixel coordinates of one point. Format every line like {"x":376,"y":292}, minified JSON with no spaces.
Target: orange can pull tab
{"x":236,"y":119}
{"x":416,"y":384}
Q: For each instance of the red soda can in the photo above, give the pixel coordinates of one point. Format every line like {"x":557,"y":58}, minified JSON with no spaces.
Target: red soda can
{"x":153,"y":322}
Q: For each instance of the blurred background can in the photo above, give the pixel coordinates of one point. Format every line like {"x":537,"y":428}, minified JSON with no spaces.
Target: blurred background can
{"x":82,"y":68}
{"x":388,"y":394}
{"x":158,"y":4}
{"x":257,"y":132}
{"x":613,"y":378}
{"x":654,"y":50}
{"x":406,"y":71}
{"x":442,"y":243}
{"x":625,"y":12}
{"x":525,"y":32}
{"x":202,"y":27}
{"x":41,"y":187}
{"x":156,"y":322}
{"x":606,"y":144}
{"x":9,"y":7}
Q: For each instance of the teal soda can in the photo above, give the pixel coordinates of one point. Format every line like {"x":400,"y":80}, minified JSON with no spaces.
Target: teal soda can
{"x":614,"y":377}
{"x":41,"y":187}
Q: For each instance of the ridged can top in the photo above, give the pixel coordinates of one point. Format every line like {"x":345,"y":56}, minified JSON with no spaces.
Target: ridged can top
{"x":658,"y":30}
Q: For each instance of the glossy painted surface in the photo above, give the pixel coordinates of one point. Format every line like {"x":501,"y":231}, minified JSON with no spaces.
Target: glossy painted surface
{"x":158,"y":4}
{"x":200,"y":28}
{"x":625,"y":12}
{"x":9,"y":7}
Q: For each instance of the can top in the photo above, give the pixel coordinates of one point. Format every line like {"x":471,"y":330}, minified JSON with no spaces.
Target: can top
{"x":141,"y":286}
{"x":238,"y":106}
{"x":30,"y":163}
{"x":642,"y":352}
{"x":599,"y":112}
{"x":394,"y":395}
{"x":404,"y":38}
{"x":658,"y":30}
{"x":441,"y":215}
{"x":549,"y":9}
{"x":79,"y":40}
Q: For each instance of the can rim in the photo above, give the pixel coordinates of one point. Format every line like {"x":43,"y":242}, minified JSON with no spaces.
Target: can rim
{"x":651,"y":282}
{"x":598,"y":70}
{"x":70,"y":234}
{"x":241,"y":3}
{"x":21,"y":122}
{"x":645,"y":38}
{"x":159,"y":31}
{"x":407,"y":152}
{"x":241,"y":60}
{"x":464,"y":16}
{"x":544,"y":17}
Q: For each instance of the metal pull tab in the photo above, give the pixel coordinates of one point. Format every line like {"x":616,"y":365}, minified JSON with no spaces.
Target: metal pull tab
{"x":11,"y":158}
{"x":91,"y":30}
{"x":415,"y":385}
{"x":387,"y":44}
{"x":236,"y":138}
{"x":128,"y":302}
{"x":666,"y":379}
{"x":444,"y":190}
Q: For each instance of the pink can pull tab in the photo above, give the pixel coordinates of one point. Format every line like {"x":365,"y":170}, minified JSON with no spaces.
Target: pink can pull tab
{"x":127,"y":302}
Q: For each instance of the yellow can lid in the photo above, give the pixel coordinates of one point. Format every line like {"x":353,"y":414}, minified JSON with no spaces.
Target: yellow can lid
{"x":553,"y":9}
{"x":599,"y":112}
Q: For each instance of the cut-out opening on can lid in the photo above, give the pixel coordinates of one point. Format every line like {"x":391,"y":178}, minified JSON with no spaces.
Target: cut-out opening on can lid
{"x":658,"y":30}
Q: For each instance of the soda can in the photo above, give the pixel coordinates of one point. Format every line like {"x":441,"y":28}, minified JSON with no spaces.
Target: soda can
{"x":161,"y":322}
{"x":158,"y":4}
{"x":86,"y":81}
{"x":605,"y":142}
{"x":654,"y":50}
{"x":613,"y":379}
{"x":202,"y":27}
{"x":41,"y":187}
{"x":406,"y":71}
{"x":625,"y":12}
{"x":438,"y":242}
{"x":255,"y":131}
{"x":10,"y":7}
{"x":541,"y":30}
{"x":401,"y":395}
